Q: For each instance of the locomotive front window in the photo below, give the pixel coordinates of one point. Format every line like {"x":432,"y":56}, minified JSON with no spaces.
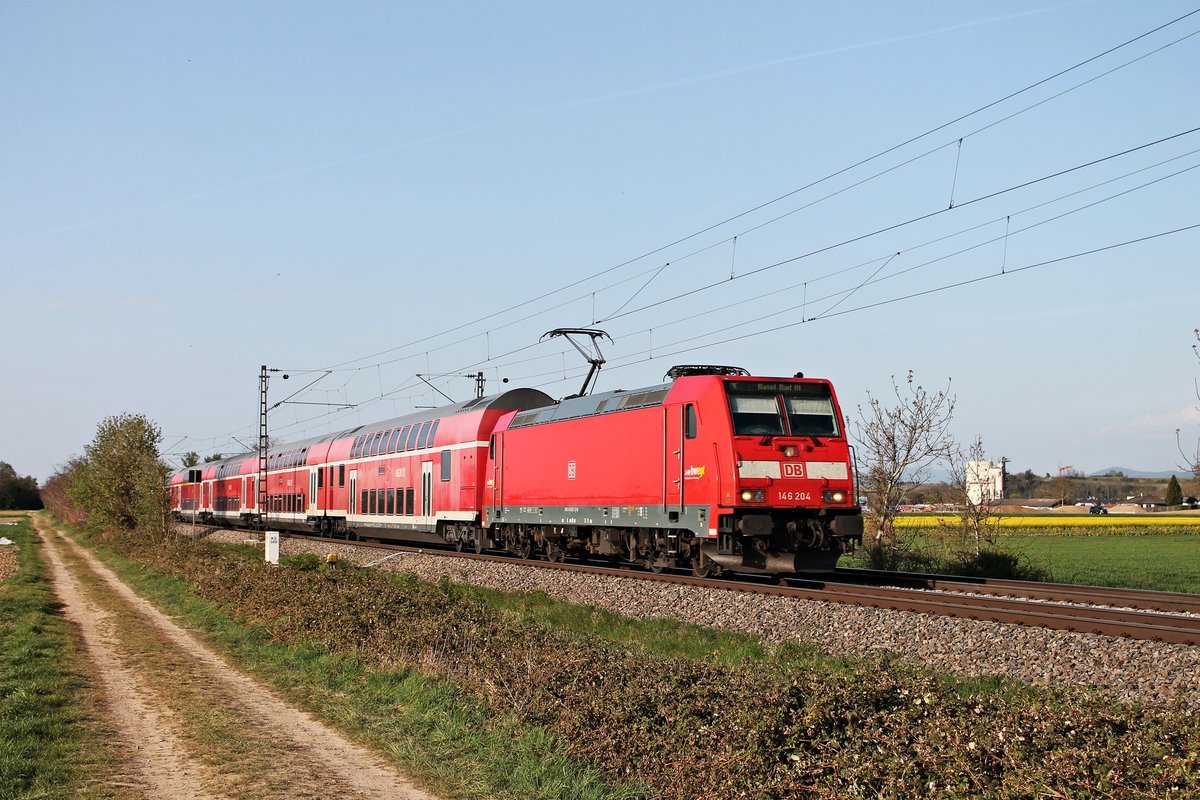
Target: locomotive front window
{"x":781,"y":409}
{"x":811,"y":416}
{"x":755,"y":414}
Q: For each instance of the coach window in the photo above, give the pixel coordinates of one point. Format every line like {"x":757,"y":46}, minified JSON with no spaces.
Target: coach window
{"x":423,"y":439}
{"x":432,"y":433}
{"x":689,"y":421}
{"x":320,"y":479}
{"x":445,"y":465}
{"x":408,"y":501}
{"x":391,"y":501}
{"x":389,"y":445}
{"x":375,"y":443}
{"x":341,"y":474}
{"x":411,"y":444}
{"x":363,"y":507}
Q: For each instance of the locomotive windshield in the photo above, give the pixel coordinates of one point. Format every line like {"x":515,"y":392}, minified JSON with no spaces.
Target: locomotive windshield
{"x":760,"y":408}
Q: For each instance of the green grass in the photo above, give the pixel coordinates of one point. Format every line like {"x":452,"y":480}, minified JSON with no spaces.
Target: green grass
{"x":49,"y":748}
{"x":1169,"y":563}
{"x":438,"y":735}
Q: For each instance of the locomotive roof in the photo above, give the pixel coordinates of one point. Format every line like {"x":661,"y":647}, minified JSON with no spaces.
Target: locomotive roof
{"x":593,"y":404}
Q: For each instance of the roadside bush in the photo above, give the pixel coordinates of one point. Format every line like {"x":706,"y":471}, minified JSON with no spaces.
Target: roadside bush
{"x":304,"y":562}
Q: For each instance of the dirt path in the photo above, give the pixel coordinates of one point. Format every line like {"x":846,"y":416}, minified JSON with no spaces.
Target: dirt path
{"x":190,"y":725}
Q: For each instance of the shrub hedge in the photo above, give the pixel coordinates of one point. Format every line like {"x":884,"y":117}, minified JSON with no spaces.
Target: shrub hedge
{"x":693,"y":728}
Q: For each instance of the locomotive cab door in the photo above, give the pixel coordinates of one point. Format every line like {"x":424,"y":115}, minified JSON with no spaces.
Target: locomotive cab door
{"x":674,"y":459}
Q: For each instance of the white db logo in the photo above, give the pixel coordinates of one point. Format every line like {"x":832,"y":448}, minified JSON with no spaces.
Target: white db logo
{"x":793,"y":470}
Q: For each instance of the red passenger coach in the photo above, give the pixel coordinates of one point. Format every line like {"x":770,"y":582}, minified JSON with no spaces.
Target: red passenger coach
{"x":717,"y":469}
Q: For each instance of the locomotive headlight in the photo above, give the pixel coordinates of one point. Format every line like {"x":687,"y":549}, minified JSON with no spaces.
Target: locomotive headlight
{"x":790,"y":451}
{"x":754,"y":495}
{"x":833,"y":496}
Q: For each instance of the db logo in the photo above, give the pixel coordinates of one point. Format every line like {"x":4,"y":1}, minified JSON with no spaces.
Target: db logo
{"x":793,"y":470}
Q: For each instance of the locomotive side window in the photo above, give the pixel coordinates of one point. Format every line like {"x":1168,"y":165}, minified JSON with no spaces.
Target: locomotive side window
{"x":689,"y":421}
{"x":755,"y":414}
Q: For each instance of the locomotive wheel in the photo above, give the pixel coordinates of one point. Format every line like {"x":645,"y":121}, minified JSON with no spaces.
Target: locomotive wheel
{"x":653,"y":565}
{"x":524,"y":549}
{"x":554,"y":553}
{"x":704,"y":568}
{"x":459,"y":545}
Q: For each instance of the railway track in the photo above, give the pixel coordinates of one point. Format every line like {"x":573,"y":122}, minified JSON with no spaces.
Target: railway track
{"x":1128,"y":613}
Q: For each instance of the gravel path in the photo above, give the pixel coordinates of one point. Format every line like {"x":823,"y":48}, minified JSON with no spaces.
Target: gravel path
{"x":170,"y":756}
{"x":1135,"y":670}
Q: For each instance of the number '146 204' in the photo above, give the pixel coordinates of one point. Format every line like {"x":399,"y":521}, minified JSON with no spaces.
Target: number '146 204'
{"x":786,"y":497}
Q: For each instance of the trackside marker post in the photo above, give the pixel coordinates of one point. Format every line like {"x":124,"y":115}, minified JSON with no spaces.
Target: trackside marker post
{"x":272,"y":539}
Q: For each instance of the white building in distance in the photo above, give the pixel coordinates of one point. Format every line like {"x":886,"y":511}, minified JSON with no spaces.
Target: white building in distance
{"x":985,"y":482}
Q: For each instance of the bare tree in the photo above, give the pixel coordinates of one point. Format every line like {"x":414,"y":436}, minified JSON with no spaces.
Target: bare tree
{"x":900,"y":445}
{"x":976,"y":497}
{"x":1192,"y":462}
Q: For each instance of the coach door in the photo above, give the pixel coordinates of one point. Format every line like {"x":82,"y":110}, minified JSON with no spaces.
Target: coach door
{"x":313,"y":483}
{"x":427,"y":489}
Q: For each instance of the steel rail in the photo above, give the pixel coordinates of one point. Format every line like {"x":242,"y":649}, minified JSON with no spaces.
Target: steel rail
{"x":1145,"y":599}
{"x":1115,"y":622}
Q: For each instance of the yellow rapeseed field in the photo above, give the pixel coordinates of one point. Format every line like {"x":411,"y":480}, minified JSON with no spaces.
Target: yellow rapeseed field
{"x":1106,"y":523}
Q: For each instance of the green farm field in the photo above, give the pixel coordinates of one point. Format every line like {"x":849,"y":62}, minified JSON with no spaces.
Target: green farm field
{"x":1142,"y":551}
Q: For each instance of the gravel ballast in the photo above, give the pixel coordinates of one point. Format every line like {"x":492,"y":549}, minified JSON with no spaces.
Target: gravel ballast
{"x":1137,"y":671}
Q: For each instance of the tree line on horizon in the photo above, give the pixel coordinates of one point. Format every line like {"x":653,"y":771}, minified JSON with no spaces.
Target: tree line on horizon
{"x":18,"y":493}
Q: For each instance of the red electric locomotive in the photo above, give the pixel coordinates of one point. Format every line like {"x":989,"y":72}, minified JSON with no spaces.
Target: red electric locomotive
{"x":715,"y":469}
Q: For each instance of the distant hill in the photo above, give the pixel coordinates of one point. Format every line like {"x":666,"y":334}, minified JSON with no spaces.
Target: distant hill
{"x":1133,"y":473}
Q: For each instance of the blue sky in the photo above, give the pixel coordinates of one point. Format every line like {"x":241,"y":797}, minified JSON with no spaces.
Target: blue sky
{"x":191,"y":190}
